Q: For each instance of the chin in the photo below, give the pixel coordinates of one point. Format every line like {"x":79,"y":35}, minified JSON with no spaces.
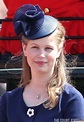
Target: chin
{"x":42,"y":70}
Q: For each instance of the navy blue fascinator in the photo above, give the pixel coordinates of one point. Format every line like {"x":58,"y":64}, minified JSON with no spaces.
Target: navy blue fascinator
{"x":31,"y":21}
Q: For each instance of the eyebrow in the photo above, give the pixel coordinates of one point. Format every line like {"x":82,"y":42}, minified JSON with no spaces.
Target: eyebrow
{"x":34,"y":44}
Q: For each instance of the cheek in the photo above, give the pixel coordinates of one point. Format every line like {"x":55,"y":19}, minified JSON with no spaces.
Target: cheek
{"x":52,"y":57}
{"x":54,"y":53}
{"x":30,"y":58}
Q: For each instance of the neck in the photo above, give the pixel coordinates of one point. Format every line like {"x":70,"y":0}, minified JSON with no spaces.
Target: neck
{"x":38,"y":83}
{"x":40,"y":80}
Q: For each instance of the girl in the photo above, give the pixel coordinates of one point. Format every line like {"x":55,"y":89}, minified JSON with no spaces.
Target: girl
{"x":44,"y":93}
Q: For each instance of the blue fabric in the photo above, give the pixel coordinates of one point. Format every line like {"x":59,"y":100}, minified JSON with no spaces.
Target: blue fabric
{"x":70,"y":106}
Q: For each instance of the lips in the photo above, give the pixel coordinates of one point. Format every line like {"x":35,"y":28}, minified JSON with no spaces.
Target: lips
{"x":40,"y":62}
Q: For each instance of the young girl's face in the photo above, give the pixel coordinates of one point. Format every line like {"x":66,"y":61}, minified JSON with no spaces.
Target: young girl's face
{"x":41,"y":54}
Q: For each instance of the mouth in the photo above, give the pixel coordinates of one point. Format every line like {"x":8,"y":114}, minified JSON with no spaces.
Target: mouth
{"x":41,"y":63}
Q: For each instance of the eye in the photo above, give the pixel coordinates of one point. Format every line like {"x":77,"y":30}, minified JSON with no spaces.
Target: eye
{"x":48,"y":48}
{"x":34,"y":47}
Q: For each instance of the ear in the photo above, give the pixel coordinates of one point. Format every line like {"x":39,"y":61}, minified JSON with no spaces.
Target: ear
{"x":24,"y":47}
{"x":60,"y":47}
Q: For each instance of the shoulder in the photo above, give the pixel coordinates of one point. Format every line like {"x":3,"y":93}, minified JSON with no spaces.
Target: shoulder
{"x":11,"y":94}
{"x":8,"y":101}
{"x":69,"y":90}
{"x":70,"y":93}
{"x":72,"y":102}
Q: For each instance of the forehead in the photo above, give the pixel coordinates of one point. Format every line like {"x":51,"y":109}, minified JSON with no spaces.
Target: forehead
{"x":43,"y":41}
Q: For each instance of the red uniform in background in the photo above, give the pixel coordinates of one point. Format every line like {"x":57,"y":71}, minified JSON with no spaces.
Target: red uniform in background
{"x":56,"y":8}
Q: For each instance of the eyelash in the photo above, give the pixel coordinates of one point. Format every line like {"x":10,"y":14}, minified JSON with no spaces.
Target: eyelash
{"x":49,"y":48}
{"x":34,"y":47}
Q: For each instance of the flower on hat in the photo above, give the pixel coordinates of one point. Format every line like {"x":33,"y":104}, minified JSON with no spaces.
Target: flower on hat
{"x":26,"y":19}
{"x":30,"y":112}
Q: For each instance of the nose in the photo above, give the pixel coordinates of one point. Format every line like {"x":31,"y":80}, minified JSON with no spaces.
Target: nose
{"x":42,"y":53}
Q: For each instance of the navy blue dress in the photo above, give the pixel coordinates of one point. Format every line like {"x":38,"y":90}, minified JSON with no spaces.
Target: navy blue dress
{"x":14,"y":109}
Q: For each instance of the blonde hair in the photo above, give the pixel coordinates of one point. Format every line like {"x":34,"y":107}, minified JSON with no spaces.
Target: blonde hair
{"x":59,"y":75}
